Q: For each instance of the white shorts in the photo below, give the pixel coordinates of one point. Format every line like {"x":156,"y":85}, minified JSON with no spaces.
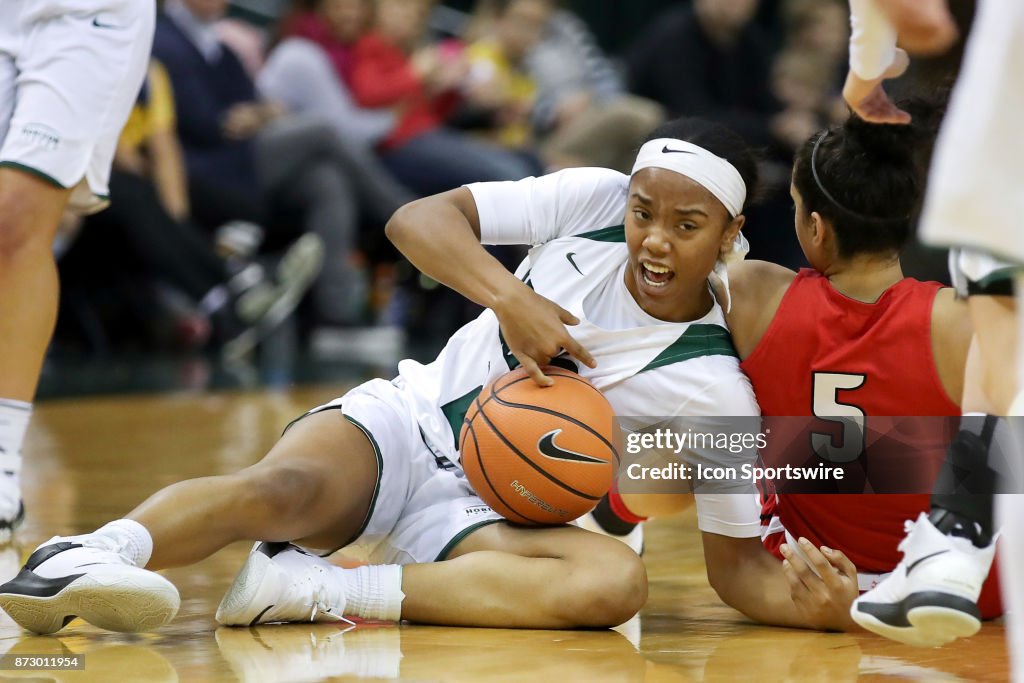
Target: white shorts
{"x":70,"y":72}
{"x":976,"y":272}
{"x":423,"y":506}
{"x":974,"y":196}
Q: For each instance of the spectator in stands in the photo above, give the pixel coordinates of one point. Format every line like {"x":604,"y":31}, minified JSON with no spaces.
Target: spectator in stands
{"x":498,"y":87}
{"x":583,"y":110}
{"x":247,"y":159}
{"x":421,"y":83}
{"x":150,"y":228}
{"x":310,"y":67}
{"x":711,"y":60}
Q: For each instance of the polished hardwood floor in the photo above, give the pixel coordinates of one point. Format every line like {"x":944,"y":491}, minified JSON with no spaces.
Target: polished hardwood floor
{"x":91,"y":460}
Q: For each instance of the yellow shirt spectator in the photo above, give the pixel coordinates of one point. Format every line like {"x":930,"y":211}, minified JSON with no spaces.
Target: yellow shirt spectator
{"x":153,"y":112}
{"x":495,"y":81}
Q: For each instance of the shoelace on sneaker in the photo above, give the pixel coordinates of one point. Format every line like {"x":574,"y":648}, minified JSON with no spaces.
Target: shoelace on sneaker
{"x":315,"y":581}
{"x":908,"y":530}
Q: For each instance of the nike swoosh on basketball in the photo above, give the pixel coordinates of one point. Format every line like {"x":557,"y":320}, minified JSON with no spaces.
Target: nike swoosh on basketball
{"x":572,"y":262}
{"x":918,"y":561}
{"x":666,"y":150}
{"x":546,"y":445}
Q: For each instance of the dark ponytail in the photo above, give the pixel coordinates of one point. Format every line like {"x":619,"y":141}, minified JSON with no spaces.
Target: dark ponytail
{"x":868,"y":179}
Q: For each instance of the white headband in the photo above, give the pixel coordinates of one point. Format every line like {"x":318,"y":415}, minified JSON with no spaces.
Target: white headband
{"x":712,"y":172}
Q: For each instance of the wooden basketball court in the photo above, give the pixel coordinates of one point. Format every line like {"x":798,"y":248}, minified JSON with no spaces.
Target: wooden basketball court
{"x":90,"y":461}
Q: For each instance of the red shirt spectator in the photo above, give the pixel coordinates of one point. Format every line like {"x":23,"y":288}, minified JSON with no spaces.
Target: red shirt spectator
{"x":385,"y":76}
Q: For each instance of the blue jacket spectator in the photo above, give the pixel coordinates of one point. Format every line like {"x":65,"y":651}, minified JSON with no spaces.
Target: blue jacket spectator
{"x":211,"y":80}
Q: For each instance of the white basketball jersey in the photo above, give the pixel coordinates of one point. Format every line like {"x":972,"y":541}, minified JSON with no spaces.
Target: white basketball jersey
{"x":647,"y":368}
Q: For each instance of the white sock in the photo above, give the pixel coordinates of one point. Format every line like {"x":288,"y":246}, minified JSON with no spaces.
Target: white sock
{"x":373,"y":592}
{"x":123,"y":536}
{"x":14,"y":417}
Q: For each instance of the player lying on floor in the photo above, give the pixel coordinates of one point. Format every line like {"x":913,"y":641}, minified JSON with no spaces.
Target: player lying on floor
{"x":849,"y":331}
{"x":624,"y":261}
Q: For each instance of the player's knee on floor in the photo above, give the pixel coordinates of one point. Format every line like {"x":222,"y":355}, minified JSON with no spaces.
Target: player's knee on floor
{"x":608,"y":591}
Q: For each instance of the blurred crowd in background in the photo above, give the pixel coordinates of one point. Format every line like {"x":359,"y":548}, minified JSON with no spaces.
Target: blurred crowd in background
{"x":267,"y":150}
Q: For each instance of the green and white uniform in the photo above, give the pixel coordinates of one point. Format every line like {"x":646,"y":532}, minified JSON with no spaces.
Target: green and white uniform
{"x":70,"y":71}
{"x":647,"y":368}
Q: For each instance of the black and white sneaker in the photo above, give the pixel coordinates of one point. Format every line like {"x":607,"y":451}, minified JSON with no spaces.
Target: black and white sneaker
{"x":930,"y":599}
{"x":64,"y":579}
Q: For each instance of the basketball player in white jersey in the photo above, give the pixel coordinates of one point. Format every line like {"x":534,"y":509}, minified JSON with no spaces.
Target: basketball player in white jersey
{"x":70,"y":71}
{"x":974,"y":202}
{"x":616,"y":284}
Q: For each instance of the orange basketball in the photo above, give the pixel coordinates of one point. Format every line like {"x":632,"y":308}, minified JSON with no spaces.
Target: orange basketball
{"x":540,"y":455}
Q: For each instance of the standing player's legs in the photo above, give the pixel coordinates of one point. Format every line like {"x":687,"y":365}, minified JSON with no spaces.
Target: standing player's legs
{"x":29,"y":211}
{"x":67,"y":83}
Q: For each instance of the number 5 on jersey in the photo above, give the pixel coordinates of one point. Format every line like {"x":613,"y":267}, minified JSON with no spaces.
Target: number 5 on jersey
{"x":826,"y":406}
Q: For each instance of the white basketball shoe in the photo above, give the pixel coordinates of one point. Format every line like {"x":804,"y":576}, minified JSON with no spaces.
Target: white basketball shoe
{"x":930,"y":599}
{"x":281,"y":582}
{"x":64,"y":579}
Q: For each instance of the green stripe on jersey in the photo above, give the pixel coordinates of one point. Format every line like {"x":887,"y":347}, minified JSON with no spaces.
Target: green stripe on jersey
{"x":697,"y":341}
{"x":616,"y":233}
{"x":455,"y":411}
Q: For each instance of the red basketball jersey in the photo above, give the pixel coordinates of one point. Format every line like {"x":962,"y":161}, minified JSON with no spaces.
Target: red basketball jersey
{"x":826,"y":354}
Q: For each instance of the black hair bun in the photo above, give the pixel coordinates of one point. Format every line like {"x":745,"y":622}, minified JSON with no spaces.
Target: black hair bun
{"x":900,"y":143}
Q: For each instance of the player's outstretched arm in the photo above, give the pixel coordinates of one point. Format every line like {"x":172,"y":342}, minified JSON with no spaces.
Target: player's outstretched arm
{"x":925,"y":27}
{"x":440,"y":235}
{"x":874,"y":58}
{"x":752,"y":581}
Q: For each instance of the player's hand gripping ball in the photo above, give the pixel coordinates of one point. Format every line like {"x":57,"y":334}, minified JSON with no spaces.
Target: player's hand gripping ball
{"x":540,"y":455}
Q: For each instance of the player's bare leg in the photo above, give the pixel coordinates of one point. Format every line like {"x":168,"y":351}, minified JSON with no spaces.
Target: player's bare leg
{"x":498,"y":576}
{"x":315,"y":484}
{"x":504,"y":576}
{"x":30,"y":209}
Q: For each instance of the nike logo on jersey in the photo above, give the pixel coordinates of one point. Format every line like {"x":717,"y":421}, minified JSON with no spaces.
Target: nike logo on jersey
{"x":546,"y":445}
{"x":918,"y":561}
{"x":666,"y":150}
{"x":572,"y":262}
{"x":96,"y":22}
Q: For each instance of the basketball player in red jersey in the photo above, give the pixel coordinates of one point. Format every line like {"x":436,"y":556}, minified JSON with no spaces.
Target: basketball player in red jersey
{"x":852,"y":336}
